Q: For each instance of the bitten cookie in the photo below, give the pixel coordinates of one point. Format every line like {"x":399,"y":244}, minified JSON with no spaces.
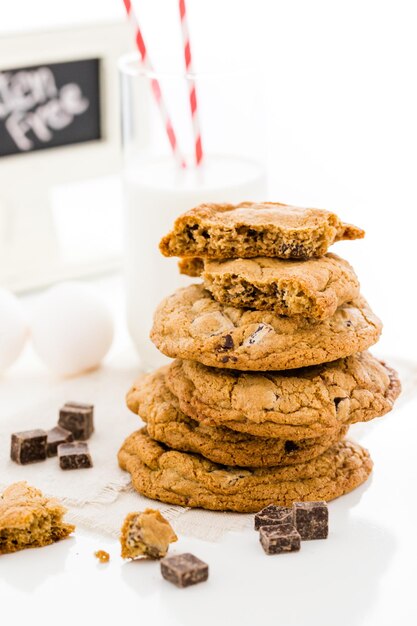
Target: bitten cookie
{"x":309,"y":402}
{"x":312,"y":288}
{"x":227,"y":231}
{"x":190,"y":480}
{"x":190,"y":324}
{"x":151,"y":399}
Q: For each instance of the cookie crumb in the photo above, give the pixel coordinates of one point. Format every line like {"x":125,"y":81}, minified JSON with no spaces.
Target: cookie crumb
{"x":102,"y":556}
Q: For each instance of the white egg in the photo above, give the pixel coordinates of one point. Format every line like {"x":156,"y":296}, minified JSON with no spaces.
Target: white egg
{"x":13,"y":329}
{"x":72,"y":329}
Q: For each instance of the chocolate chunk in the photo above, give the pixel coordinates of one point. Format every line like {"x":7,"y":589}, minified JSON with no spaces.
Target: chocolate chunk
{"x":297,"y":251}
{"x":188,"y":231}
{"x":184,"y":570}
{"x":290,"y":446}
{"x":225,"y":344}
{"x":74,"y":456}
{"x":258,"y":335}
{"x":279,"y":538}
{"x":311,"y":519}
{"x":77,"y":418}
{"x":55,"y":437}
{"x":28,"y":446}
{"x":272,"y":515}
{"x":337,"y":401}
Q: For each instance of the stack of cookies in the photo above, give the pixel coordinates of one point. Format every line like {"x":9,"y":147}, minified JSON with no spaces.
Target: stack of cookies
{"x":271,"y":365}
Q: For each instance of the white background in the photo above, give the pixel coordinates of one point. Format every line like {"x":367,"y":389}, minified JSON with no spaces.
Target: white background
{"x":342,"y":134}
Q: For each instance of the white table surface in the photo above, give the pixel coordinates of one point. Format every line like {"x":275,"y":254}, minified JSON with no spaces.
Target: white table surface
{"x":363,"y":574}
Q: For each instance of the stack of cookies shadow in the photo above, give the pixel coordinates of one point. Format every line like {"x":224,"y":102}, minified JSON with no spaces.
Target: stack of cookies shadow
{"x":271,"y":365}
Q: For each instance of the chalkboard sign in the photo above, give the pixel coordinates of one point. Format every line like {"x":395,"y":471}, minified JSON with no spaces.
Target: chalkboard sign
{"x":50,"y":105}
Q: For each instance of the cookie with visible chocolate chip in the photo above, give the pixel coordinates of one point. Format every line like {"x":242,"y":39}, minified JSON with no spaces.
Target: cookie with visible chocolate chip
{"x":191,"y":480}
{"x":146,"y":534}
{"x":190,"y":324}
{"x":305,"y":403}
{"x":313,"y":288}
{"x":151,"y":399}
{"x":249,"y":229}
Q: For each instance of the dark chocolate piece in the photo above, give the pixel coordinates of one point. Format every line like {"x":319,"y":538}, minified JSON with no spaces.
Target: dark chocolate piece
{"x":74,"y":456}
{"x":258,"y":335}
{"x":77,"y":418}
{"x":279,"y":538}
{"x":56,"y":436}
{"x":184,"y":570}
{"x":225,"y":344}
{"x":272,"y":515}
{"x":311,"y":519}
{"x":28,"y":446}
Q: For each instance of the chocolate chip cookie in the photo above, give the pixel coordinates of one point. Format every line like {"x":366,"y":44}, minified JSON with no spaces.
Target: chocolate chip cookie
{"x":312,"y":288}
{"x":151,"y":399}
{"x":246,"y":230}
{"x":190,"y":324}
{"x":190,"y":480}
{"x":305,"y":403}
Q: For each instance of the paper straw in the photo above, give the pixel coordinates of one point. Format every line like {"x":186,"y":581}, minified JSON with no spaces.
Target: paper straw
{"x":198,"y":147}
{"x":156,"y":88}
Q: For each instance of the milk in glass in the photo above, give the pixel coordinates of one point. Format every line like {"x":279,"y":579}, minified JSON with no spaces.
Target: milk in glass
{"x":155,"y":194}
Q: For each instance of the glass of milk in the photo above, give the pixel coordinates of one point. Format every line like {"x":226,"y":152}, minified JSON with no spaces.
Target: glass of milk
{"x":157,"y":189}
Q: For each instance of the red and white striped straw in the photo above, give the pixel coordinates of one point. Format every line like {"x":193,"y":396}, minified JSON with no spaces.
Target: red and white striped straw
{"x":156,"y":88}
{"x":198,"y":147}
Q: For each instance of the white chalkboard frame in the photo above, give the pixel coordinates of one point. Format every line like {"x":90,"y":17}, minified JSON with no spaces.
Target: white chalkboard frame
{"x":28,"y":249}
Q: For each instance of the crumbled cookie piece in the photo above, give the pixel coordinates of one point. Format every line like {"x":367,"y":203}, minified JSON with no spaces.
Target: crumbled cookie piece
{"x":78,"y":418}
{"x":102,"y":556}
{"x":272,"y":515}
{"x":184,"y":570}
{"x":226,"y":231}
{"x":29,"y":520}
{"x":28,"y":446}
{"x":311,"y":519}
{"x":279,"y":538}
{"x":146,"y":534}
